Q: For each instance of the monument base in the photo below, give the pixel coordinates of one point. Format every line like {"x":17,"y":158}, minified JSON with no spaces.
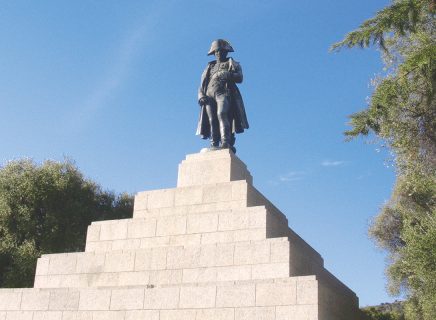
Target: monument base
{"x":212,"y":248}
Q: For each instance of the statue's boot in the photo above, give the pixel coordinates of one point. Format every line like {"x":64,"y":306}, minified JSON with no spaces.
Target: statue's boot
{"x":232,"y":142}
{"x":225,"y":135}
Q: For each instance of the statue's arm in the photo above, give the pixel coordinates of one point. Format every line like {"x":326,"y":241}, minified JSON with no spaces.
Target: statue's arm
{"x":201,"y":89}
{"x":236,"y":72}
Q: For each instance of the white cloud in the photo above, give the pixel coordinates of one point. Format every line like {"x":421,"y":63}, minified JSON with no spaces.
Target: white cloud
{"x":332,"y":163}
{"x":116,"y":74}
{"x":291,"y":176}
{"x":131,"y":47}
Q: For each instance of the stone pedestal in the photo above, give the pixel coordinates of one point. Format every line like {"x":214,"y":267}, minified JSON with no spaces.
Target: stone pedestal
{"x":214,"y":248}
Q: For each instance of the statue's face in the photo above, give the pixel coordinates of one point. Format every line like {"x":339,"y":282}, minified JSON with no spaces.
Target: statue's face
{"x":220,"y":55}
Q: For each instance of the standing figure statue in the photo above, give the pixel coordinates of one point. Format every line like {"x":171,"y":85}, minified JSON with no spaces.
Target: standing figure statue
{"x":222,"y":109}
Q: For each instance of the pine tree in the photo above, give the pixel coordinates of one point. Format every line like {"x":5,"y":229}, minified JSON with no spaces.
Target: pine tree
{"x":401,"y":114}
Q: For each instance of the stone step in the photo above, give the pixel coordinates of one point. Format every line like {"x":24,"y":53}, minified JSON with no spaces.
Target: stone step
{"x":217,"y":262}
{"x":294,"y":298}
{"x":193,"y":199}
{"x":198,"y":199}
{"x":212,"y":167}
{"x":254,"y":223}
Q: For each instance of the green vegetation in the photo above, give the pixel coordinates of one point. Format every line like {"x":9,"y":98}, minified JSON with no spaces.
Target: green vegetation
{"x":385,"y":311}
{"x":402,"y":115}
{"x":46,"y":209}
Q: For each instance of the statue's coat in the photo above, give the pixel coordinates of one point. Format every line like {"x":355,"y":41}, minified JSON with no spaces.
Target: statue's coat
{"x":238,"y":117}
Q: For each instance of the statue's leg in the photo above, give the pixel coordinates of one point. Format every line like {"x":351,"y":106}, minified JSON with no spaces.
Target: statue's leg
{"x":232,"y":142}
{"x":223,"y":107}
{"x":211,"y":111}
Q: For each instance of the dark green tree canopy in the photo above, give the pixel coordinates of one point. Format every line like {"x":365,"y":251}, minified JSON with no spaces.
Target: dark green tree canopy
{"x":46,"y":209}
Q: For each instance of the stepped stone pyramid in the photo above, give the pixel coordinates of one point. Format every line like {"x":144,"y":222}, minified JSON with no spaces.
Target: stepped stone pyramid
{"x":213,"y":248}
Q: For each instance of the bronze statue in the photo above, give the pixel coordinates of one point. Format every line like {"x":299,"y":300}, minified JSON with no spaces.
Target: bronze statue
{"x":222,"y":109}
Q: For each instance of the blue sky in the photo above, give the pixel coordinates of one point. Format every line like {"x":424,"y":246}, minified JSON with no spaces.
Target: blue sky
{"x":113,"y":85}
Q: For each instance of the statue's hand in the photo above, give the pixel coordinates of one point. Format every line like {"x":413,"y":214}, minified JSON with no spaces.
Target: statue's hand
{"x":224,"y":75}
{"x":202,"y":101}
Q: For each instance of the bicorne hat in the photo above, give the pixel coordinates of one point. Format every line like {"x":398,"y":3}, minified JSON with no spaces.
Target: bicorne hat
{"x":220,"y":44}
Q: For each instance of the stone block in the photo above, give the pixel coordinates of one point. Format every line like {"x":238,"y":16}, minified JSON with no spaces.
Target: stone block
{"x":90,"y":262}
{"x":232,"y":221}
{"x":9,"y":300}
{"x":276,"y":294}
{"x":270,"y":270}
{"x":73,"y":281}
{"x":297,"y":312}
{"x":142,"y":314}
{"x":139,"y":228}
{"x":94,"y":299}
{"x":77,"y":315}
{"x":103,"y":279}
{"x":165,"y":277}
{"x":197,"y":297}
{"x":160,"y":198}
{"x":119,"y":261}
{"x":216,"y":314}
{"x":51,"y":281}
{"x":252,"y":253}
{"x":108,"y":315}
{"x":238,"y":219}
{"x":154,"y":242}
{"x":255,"y":313}
{"x":239,"y":190}
{"x":211,"y":167}
{"x":93,"y":232}
{"x":19,"y":315}
{"x":98,"y":246}
{"x":42,"y":266}
{"x":111,"y":230}
{"x":258,"y":218}
{"x":220,"y":254}
{"x":307,"y":292}
{"x":185,"y":240}
{"x":233,"y":273}
{"x":171,"y":225}
{"x":161,"y":298}
{"x":183,"y":257}
{"x":126,"y":244}
{"x":199,"y":275}
{"x":221,"y":192}
{"x":151,"y":259}
{"x":47,"y":315}
{"x":177,"y":314}
{"x":280,"y":251}
{"x":140,"y":202}
{"x":217,"y":237}
{"x":141,"y":278}
{"x":64,"y":300}
{"x":200,"y":223}
{"x":216,"y":206}
{"x":188,"y":196}
{"x":239,"y":295}
{"x":35,"y":300}
{"x":249,"y":235}
{"x":127,"y":299}
{"x":62,"y":263}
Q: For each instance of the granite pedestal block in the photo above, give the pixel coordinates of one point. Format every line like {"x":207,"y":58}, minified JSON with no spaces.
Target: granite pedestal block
{"x":213,"y":248}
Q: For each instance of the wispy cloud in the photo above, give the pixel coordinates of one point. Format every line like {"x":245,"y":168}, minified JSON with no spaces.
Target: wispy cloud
{"x":292,"y":176}
{"x":130,"y":48}
{"x":332,"y":163}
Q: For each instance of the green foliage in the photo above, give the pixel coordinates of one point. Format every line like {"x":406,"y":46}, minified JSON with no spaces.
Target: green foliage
{"x":402,"y":114}
{"x":374,"y":313}
{"x":46,"y":209}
